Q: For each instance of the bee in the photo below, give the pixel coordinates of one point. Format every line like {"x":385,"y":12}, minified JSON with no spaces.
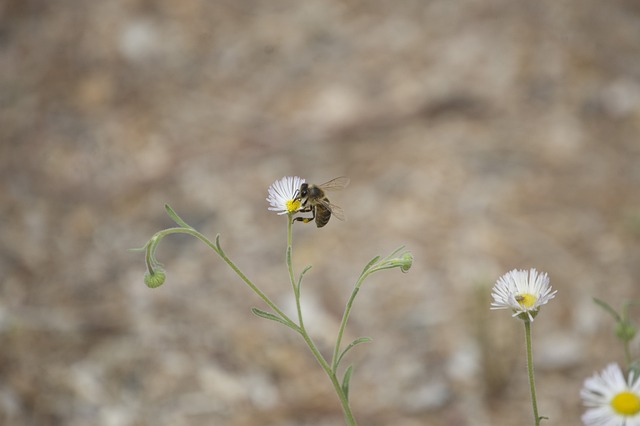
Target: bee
{"x":313,"y":199}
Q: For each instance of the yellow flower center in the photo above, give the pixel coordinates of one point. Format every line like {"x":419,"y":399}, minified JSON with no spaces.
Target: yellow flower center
{"x":626,"y":403}
{"x":293,"y":205}
{"x":526,"y":300}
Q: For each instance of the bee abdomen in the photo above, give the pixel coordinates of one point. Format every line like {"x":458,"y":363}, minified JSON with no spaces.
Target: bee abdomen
{"x":322,"y":216}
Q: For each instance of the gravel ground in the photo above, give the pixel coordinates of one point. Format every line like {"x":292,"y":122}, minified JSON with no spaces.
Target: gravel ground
{"x":482,"y":135}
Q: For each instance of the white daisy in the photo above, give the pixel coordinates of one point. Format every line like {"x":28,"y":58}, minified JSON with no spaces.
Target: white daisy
{"x":282,"y":194}
{"x":613,"y":401}
{"x":523,"y":292}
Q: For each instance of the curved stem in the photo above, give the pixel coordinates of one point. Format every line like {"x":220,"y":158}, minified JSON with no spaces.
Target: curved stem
{"x":148,"y":256}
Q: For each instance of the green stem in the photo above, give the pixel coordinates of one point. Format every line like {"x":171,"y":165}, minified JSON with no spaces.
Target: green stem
{"x":344,"y":401}
{"x":532,"y":385}
{"x":296,"y":289}
{"x":343,"y":322}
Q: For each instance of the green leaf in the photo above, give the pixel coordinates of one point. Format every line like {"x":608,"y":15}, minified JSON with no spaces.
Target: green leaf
{"x":351,"y":345}
{"x":345,"y":381}
{"x":304,"y":271}
{"x":370,"y":264}
{"x":607,"y":308}
{"x":177,"y":219}
{"x":220,"y":251}
{"x":273,"y":317}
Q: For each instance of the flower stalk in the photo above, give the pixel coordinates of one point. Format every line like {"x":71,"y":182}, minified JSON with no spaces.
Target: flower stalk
{"x":524,"y":292}
{"x":532,"y":383}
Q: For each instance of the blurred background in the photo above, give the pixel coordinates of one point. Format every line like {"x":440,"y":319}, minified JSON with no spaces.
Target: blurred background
{"x":482,"y":135}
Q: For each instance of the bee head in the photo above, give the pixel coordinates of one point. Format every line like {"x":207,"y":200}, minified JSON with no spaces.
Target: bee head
{"x":303,"y":192}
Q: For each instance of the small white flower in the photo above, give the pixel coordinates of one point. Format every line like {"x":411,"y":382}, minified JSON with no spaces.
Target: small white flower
{"x":613,"y":401}
{"x":282,"y":194}
{"x":522,"y":291}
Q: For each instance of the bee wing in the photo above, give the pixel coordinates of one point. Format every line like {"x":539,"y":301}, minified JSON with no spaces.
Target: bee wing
{"x":335,"y":210}
{"x":335,"y":184}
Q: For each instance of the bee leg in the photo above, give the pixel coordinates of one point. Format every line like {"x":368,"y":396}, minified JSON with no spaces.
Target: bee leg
{"x":306,"y":219}
{"x":303,"y":219}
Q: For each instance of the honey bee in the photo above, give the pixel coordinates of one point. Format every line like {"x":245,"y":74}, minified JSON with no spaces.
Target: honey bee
{"x":313,"y":199}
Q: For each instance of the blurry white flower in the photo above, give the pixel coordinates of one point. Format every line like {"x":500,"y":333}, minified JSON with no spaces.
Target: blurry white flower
{"x":523,"y":292}
{"x":282,"y":194}
{"x":613,"y":401}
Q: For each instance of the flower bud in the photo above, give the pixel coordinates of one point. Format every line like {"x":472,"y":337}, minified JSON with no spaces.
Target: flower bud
{"x":398,"y":259}
{"x":405,"y":261}
{"x":154,"y":279}
{"x":625,"y":331}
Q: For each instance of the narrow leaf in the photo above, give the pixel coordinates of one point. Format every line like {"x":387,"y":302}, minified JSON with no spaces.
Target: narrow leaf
{"x":369,"y":265}
{"x":304,"y":271}
{"x":346,"y":380}
{"x":177,"y":219}
{"x":273,"y":317}
{"x":395,"y":252}
{"x":218,"y":244}
{"x":607,"y":308}
{"x":351,"y":345}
